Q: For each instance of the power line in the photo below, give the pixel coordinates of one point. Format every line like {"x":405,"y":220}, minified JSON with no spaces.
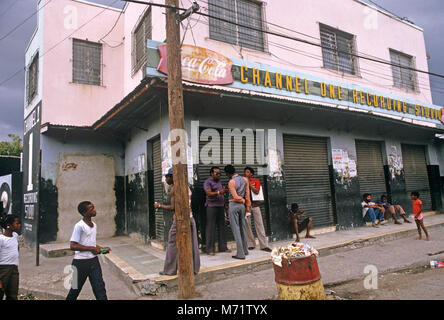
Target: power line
{"x":24,"y":21}
{"x":318,"y":45}
{"x":7,"y":9}
{"x":362,"y":70}
{"x":54,"y":46}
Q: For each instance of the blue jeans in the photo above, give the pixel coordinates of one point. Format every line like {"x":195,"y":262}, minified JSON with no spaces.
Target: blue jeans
{"x":373,"y":214}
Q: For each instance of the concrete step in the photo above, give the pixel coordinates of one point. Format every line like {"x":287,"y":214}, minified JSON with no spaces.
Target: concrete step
{"x":222,"y":266}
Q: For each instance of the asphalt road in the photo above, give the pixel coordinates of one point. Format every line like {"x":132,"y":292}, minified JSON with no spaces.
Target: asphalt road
{"x":420,"y":283}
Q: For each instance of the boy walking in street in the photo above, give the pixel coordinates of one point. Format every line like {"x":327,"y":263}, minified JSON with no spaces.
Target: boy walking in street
{"x":86,"y":263}
{"x":419,"y":217}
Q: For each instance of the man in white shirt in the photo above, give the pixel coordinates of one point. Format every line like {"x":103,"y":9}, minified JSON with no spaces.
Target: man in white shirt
{"x":85,"y":262}
{"x":371,"y":212}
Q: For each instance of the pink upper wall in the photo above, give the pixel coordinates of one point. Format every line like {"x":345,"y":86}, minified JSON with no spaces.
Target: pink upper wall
{"x":375,"y":33}
{"x":65,"y":102}
{"x":70,"y":103}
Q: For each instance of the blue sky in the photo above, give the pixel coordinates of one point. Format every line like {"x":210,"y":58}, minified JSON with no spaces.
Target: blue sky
{"x":426,"y":14}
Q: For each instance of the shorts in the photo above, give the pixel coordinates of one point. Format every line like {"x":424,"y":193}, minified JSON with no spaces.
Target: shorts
{"x":419,"y":217}
{"x":302,"y":224}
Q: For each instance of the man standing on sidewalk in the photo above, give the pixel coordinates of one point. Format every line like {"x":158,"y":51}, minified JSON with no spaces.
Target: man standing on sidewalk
{"x":170,"y":265}
{"x":255,"y":186}
{"x":85,"y":262}
{"x":215,"y":212}
{"x":238,"y":203}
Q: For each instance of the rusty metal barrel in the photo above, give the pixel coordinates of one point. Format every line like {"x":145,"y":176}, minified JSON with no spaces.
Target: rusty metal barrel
{"x":299,"y":279}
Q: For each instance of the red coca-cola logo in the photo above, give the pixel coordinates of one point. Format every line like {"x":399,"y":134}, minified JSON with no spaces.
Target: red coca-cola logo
{"x":200,"y":65}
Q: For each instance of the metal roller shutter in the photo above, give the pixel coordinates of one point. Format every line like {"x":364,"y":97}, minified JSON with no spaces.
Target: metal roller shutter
{"x":307,"y":177}
{"x":158,"y":187}
{"x":416,"y":177}
{"x":204,"y":173}
{"x":370,"y":168}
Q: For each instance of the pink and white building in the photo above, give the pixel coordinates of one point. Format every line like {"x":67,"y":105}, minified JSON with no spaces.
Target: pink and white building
{"x":336,"y":86}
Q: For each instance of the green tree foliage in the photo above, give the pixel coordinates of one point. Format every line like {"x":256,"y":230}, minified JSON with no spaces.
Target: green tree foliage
{"x":11,"y":148}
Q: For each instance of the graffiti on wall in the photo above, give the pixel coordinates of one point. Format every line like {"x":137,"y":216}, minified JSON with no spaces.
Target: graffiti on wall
{"x":342,"y":163}
{"x":395,"y":162}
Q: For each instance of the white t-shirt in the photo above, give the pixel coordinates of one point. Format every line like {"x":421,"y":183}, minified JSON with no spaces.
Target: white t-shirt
{"x":9,"y":254}
{"x":86,"y":236}
{"x":364,"y":210}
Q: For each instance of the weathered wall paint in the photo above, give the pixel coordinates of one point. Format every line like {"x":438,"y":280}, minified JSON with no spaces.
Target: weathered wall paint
{"x":48,"y":211}
{"x":92,"y":179}
{"x":137,"y":205}
{"x":435,"y":186}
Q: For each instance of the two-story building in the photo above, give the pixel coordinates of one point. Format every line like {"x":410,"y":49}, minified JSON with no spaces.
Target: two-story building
{"x":331,"y":100}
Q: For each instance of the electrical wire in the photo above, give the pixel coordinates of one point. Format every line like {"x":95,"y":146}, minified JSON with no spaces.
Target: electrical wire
{"x":320,"y":58}
{"x":24,"y":21}
{"x":58,"y":43}
{"x":7,"y":9}
{"x":318,"y":45}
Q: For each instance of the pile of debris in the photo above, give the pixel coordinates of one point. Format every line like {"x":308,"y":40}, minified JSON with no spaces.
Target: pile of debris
{"x":292,"y":251}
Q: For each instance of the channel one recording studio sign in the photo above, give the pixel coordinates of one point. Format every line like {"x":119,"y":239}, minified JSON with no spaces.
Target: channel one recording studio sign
{"x":31,"y":174}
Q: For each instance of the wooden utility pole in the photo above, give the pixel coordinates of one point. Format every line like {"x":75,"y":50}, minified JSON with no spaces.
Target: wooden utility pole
{"x":176,"y":114}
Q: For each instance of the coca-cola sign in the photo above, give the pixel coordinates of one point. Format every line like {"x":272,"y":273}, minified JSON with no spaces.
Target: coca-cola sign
{"x":200,"y":65}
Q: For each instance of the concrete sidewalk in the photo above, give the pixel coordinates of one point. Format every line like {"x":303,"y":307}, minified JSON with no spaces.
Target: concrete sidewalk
{"x":138,"y":265}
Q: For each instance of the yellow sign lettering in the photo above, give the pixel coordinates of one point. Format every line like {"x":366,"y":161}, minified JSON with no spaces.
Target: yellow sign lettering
{"x":278,"y":77}
{"x":375,"y":101}
{"x":256,"y":77}
{"x":382,"y":100}
{"x":289,"y":82}
{"x":297,"y":84}
{"x":332,"y":91}
{"x":267,"y":80}
{"x":339,"y":93}
{"x":355,"y":96}
{"x":416,"y":110}
{"x":361,"y":93}
{"x":323,"y":89}
{"x":306,"y":86}
{"x":369,"y":102}
{"x":244,"y":70}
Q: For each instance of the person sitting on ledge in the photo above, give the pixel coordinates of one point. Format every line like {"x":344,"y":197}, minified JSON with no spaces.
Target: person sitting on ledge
{"x":391,"y":210}
{"x":371,"y":212}
{"x":299,"y":221}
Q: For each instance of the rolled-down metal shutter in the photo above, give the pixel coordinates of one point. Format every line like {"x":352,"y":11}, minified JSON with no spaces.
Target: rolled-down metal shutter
{"x":370,"y":168}
{"x":307,"y":177}
{"x":157,"y":163}
{"x":415,"y":169}
{"x":204,"y":173}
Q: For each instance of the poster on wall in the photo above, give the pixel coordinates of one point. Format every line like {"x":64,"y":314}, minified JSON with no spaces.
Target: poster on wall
{"x":31,"y":174}
{"x":5,"y":195}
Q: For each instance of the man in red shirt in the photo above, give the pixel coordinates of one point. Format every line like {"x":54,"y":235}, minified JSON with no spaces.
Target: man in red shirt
{"x":255,"y":186}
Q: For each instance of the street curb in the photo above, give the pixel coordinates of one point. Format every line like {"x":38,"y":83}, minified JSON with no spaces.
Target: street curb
{"x":423,"y":264}
{"x":162,"y":284}
{"x":40,"y":295}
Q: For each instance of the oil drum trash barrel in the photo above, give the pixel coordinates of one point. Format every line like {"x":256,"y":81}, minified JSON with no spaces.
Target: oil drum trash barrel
{"x":296,"y":272}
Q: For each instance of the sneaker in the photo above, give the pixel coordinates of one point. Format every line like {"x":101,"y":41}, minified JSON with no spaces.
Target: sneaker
{"x":266,"y":249}
{"x":250,"y":248}
{"x":211,"y":254}
{"x":375,"y":225}
{"x":383,"y":222}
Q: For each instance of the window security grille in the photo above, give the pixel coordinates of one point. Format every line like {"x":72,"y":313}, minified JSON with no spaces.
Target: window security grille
{"x":87,"y":62}
{"x":337,"y":50}
{"x":141,"y":34}
{"x":32,"y":79}
{"x":402,"y":77}
{"x":241,"y":12}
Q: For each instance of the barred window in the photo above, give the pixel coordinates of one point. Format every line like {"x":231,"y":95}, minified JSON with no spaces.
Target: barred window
{"x":86,"y":62}
{"x":32,"y":79}
{"x":142,"y":32}
{"x":337,"y":50}
{"x":402,"y":77}
{"x":243,"y":13}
